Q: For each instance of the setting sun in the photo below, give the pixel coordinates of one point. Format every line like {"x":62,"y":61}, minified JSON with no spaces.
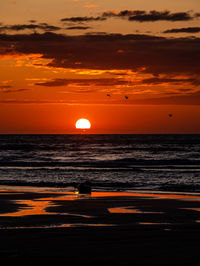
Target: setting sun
{"x":83,"y":124}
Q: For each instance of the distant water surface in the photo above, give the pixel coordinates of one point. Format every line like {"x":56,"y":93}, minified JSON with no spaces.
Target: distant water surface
{"x":141,"y":162}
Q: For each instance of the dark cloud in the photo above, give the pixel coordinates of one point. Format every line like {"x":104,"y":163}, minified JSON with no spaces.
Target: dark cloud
{"x":96,"y":33}
{"x":32,"y":21}
{"x":150,"y":54}
{"x":21,"y":27}
{"x":83,"y":82}
{"x":5,"y":87}
{"x":83,"y":19}
{"x":137,"y":15}
{"x":157,"y":81}
{"x":116,"y":82}
{"x":8,"y":89}
{"x":184,"y":30}
{"x":184,"y":90}
{"x":153,"y":15}
{"x":47,"y":27}
{"x":78,"y":28}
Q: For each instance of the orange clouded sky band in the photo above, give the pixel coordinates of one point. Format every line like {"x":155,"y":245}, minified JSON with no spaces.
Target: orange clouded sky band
{"x":124,"y":66}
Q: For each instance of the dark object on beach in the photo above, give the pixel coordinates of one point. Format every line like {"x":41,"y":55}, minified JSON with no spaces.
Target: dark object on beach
{"x":170,"y":115}
{"x":84,"y":188}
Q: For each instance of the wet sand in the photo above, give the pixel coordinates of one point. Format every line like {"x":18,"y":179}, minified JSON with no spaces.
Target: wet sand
{"x":116,"y":228}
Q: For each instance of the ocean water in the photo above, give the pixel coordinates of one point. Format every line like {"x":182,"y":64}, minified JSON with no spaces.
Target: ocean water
{"x":111,"y":162}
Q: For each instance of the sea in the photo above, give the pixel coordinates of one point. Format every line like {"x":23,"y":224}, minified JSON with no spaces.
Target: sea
{"x":109,"y":162}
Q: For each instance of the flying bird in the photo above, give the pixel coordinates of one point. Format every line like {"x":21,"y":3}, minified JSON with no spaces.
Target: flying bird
{"x":126,"y":97}
{"x":108,"y":95}
{"x":170,"y":115}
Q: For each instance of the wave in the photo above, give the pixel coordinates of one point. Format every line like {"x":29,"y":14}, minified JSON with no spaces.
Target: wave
{"x":152,"y":162}
{"x":91,"y":163}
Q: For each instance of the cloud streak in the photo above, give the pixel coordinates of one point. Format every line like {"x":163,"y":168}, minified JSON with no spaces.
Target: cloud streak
{"x":59,"y":82}
{"x":9,"y":89}
{"x":78,"y":28}
{"x":22,"y":27}
{"x":151,"y":16}
{"x":83,"y":82}
{"x":137,"y":15}
{"x":184,"y":30}
{"x":175,"y":81}
{"x":83,"y":19}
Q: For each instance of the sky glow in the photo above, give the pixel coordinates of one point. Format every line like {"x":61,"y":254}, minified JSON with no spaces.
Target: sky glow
{"x":136,"y":61}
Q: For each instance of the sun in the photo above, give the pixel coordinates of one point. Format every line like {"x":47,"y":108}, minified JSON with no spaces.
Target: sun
{"x":83,"y":124}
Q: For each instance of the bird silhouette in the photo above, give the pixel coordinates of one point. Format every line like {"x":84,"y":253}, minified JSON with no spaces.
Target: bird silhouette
{"x":108,"y":95}
{"x":170,"y":115}
{"x":126,"y":97}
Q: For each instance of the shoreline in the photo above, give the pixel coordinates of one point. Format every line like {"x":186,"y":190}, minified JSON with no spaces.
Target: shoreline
{"x":55,"y":224}
{"x":71,"y":189}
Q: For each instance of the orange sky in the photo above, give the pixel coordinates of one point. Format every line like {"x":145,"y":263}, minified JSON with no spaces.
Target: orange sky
{"x":124,"y":66}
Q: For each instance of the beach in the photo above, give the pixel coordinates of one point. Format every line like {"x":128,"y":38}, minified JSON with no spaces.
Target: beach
{"x":99,"y":132}
{"x":122,"y":228}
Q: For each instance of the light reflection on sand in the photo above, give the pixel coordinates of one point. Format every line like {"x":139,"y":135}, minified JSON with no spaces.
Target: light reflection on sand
{"x":57,"y":226}
{"x":152,"y":195}
{"x":32,"y":207}
{"x":39,"y":203}
{"x":38,"y":207}
{"x":123,"y":210}
{"x":128,"y":209}
{"x":69,"y":192}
